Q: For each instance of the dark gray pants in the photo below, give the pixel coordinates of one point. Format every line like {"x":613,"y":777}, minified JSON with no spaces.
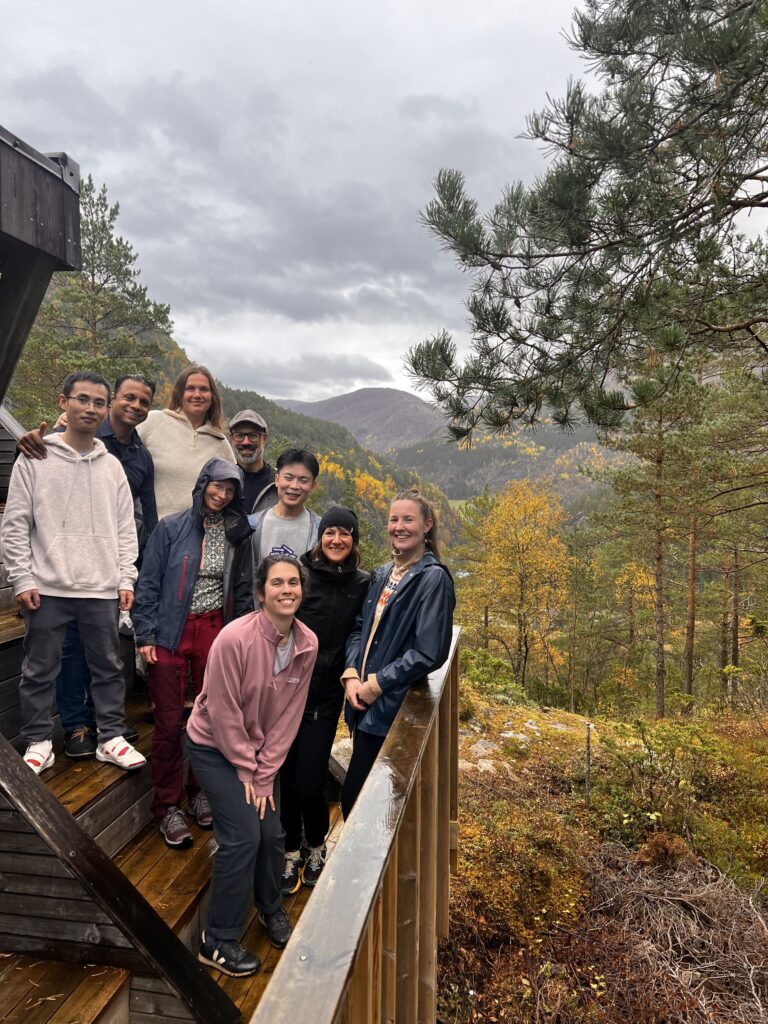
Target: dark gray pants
{"x":249,"y":860}
{"x":97,"y":624}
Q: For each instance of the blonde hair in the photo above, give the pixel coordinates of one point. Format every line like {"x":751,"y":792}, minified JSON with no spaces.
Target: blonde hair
{"x":428,"y":511}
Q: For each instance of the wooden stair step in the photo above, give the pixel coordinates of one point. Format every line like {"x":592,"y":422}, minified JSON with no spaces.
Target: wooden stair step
{"x":50,"y":992}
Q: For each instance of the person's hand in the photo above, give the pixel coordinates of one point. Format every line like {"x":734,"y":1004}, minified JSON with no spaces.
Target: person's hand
{"x":126,"y":600}
{"x":353,"y":686}
{"x":367,"y":694}
{"x":260,"y":803}
{"x":31,"y":444}
{"x":29,"y":599}
{"x":149,"y":654}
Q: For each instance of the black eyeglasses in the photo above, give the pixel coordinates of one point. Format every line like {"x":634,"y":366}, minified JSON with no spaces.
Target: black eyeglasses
{"x":85,"y":401}
{"x":241,"y":435}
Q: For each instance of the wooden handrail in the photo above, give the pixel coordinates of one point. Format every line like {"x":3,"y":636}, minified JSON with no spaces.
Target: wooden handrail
{"x":365,"y":947}
{"x":158,"y":948}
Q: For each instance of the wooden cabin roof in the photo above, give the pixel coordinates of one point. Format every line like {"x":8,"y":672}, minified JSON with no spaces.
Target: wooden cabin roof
{"x":39,"y":202}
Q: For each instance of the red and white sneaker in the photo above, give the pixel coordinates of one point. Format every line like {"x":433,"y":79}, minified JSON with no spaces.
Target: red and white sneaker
{"x":39,"y":755}
{"x":120,"y":752}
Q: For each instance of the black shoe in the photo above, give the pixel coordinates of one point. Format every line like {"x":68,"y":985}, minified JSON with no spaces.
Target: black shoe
{"x":80,"y":743}
{"x":278,"y":927}
{"x":132,"y":736}
{"x":228,"y":957}
{"x":315,"y":863}
{"x":291,"y":880}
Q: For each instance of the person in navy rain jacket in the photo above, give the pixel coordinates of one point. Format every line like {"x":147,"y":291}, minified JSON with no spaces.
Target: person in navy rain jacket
{"x":195,"y":577}
{"x":403,"y":634}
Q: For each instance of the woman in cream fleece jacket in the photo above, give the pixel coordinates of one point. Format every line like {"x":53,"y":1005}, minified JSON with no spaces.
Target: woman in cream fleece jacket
{"x":183,"y":437}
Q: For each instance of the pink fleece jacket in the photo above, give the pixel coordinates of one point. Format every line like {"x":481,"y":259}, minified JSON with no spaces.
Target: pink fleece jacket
{"x":247,"y":713}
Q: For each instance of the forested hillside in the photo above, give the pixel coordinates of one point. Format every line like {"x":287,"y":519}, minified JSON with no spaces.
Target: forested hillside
{"x":413,"y":436}
{"x":102,"y":319}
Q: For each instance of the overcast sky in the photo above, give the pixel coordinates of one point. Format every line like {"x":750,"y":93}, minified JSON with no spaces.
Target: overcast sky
{"x":270,"y":160}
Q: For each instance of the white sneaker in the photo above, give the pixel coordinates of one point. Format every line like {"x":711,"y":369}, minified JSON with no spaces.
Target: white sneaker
{"x":39,"y":755}
{"x":120,"y":752}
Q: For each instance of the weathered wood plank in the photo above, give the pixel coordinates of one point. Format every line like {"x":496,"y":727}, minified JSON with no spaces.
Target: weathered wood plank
{"x":32,"y":905}
{"x":158,"y":1004}
{"x":74,"y":931}
{"x":42,"y":885}
{"x":75,"y":952}
{"x":99,"y":990}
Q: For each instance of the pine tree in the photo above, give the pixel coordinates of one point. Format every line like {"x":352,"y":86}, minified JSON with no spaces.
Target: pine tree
{"x":99,"y":318}
{"x":631,"y":232}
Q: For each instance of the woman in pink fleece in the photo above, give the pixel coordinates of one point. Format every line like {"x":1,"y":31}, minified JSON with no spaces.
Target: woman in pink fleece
{"x":238,"y":735}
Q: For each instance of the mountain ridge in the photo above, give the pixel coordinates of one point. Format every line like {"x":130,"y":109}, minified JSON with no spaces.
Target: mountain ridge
{"x":381,"y":419}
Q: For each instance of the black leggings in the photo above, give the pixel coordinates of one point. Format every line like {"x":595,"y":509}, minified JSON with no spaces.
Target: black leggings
{"x":303,"y":777}
{"x":365,"y":750}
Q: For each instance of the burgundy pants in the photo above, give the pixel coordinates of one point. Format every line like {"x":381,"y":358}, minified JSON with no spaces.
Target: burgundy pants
{"x":167,"y":688}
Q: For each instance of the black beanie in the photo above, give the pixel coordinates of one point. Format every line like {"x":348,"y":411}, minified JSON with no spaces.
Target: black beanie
{"x":343,"y":517}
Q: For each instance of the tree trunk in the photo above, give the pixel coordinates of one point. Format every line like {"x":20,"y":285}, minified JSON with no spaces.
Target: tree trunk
{"x":658,"y":573}
{"x":725,"y":618}
{"x":690,"y":618}
{"x":572,"y":660}
{"x":735,"y":598}
{"x":485,"y":627}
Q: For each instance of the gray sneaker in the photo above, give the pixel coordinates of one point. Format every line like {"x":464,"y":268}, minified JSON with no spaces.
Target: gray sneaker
{"x":200,"y":809}
{"x":174,"y":829}
{"x":278,"y":927}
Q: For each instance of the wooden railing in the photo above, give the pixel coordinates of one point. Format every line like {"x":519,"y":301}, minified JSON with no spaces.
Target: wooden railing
{"x":365,"y":948}
{"x":121,"y":928}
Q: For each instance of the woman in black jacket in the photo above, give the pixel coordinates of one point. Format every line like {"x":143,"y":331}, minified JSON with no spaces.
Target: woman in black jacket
{"x":403,"y":634}
{"x":330,"y":607}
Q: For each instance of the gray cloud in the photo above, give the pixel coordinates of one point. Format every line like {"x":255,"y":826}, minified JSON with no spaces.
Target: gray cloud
{"x":272,"y":168}
{"x":290,"y":379}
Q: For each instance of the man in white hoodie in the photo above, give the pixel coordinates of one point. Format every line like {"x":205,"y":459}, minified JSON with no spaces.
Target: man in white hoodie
{"x":69,"y":544}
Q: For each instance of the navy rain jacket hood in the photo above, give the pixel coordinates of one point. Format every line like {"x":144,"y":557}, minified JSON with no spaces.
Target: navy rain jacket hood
{"x":172,"y":561}
{"x":412,"y":640}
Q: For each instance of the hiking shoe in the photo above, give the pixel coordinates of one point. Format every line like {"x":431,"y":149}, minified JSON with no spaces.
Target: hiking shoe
{"x":228,"y":957}
{"x":278,"y":927}
{"x":200,"y":809}
{"x":120,"y":752}
{"x":291,"y":880}
{"x":314,"y":865}
{"x":80,"y":742}
{"x":39,"y":755}
{"x":174,"y":828}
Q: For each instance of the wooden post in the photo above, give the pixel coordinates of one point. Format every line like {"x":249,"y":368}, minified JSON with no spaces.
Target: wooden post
{"x":360,"y":996}
{"x":428,"y":883}
{"x":444,"y":814}
{"x":389,"y":942}
{"x":408,"y":903}
{"x":454,"y":820}
{"x":23,"y":284}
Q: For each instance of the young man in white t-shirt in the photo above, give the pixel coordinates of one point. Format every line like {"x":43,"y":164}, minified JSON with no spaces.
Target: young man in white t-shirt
{"x":288,"y":527}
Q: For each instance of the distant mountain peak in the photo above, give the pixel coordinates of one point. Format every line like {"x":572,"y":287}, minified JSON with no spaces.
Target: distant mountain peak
{"x":378,"y":418}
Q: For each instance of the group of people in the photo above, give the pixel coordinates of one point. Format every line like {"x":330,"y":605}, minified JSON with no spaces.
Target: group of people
{"x":175,"y":523}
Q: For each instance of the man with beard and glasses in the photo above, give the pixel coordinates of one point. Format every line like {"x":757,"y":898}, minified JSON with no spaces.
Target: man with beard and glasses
{"x":249,"y":435}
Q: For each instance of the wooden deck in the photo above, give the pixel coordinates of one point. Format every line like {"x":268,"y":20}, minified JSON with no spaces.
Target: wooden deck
{"x":113,"y":807}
